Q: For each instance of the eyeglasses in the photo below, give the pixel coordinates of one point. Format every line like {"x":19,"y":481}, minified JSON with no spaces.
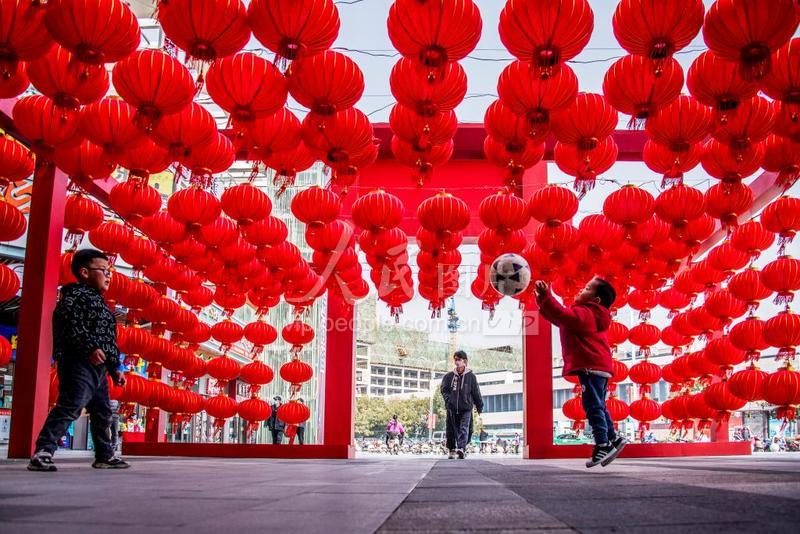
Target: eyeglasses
{"x":106,"y":272}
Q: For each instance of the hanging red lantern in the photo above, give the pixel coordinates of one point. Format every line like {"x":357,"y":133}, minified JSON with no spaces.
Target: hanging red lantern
{"x":17,"y":81}
{"x":742,"y":32}
{"x":339,"y":138}
{"x":727,"y":351}
{"x":219,"y":233}
{"x":140,"y":253}
{"x":553,"y":205}
{"x":631,"y":86}
{"x":526,"y":94}
{"x":672,"y":338}
{"x":781,"y":81}
{"x":782,"y":275}
{"x":585,"y":166}
{"x":673,"y":300}
{"x":748,"y":336}
{"x":45,"y":126}
{"x":180,"y":132}
{"x":748,"y":384}
{"x":747,"y":287}
{"x":81,"y":215}
{"x":546,"y":34}
{"x":573,"y":410}
{"x":751,"y":124}
{"x":656,"y":30}
{"x":783,"y":333}
{"x":717,"y":83}
{"x":703,"y":321}
{"x":504,"y":212}
{"x":110,"y":123}
{"x":256,"y":374}
{"x":154,"y":83}
{"x":629,"y":206}
{"x":443,"y":213}
{"x":220,"y":408}
{"x":680,"y":204}
{"x":719,"y":397}
{"x":645,"y":373}
{"x":297,"y":334}
{"x":326,"y":82}
{"x":9,"y":283}
{"x":134,"y":201}
{"x":782,"y":217}
{"x":227,"y":333}
{"x":730,"y":167}
{"x":68,"y":81}
{"x":599,"y":233}
{"x":672,"y":164}
{"x":16,"y":162}
{"x":434,"y":33}
{"x":377,"y":211}
{"x":726,"y":258}
{"x":205,"y":29}
{"x":23,"y":36}
{"x":293,"y":412}
{"x":292,"y":28}
{"x":751,"y":238}
{"x":111,"y":237}
{"x":782,"y":156}
{"x":162,"y":228}
{"x":728,"y":202}
{"x":246,"y":86}
{"x":212,"y":157}
{"x":194,"y":207}
{"x":422,"y":132}
{"x":96,"y":31}
{"x":245,"y":203}
{"x":782,"y":388}
{"x":12,"y":222}
{"x":645,"y":410}
{"x":428,"y":94}
{"x":260,"y":334}
{"x":287,"y":163}
{"x":697,"y":231}
{"x":296,"y":372}
{"x":586,"y":122}
{"x":644,"y":336}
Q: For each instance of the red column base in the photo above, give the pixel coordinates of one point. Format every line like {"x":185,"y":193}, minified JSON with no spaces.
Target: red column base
{"x":643,"y":450}
{"x":235,"y":450}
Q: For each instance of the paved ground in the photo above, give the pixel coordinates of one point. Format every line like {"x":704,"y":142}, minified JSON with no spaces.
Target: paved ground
{"x":755,"y":494}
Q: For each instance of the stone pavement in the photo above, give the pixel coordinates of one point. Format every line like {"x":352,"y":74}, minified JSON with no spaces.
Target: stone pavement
{"x":753,"y":494}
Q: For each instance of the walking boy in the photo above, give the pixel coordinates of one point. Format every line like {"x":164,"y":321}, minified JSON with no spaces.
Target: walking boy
{"x":85,"y":351}
{"x":461,"y":393}
{"x":584,"y":342}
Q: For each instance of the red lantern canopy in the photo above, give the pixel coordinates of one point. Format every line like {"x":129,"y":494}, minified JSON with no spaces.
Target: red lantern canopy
{"x":96,"y":31}
{"x":546,"y":34}
{"x":154,"y":83}
{"x":294,"y":28}
{"x":205,"y":29}
{"x":434,"y":33}
{"x":744,"y":32}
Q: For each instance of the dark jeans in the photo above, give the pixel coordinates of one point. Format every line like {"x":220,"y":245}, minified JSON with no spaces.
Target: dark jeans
{"x":301,"y":435}
{"x":458,"y":429}
{"x":277,"y":437}
{"x":80,"y":385}
{"x":594,"y":403}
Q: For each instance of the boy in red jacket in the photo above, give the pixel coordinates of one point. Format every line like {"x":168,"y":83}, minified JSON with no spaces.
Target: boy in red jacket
{"x":583,"y":328}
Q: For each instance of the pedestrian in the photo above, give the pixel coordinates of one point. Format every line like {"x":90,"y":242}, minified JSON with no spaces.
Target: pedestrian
{"x":395,"y":430}
{"x":461,"y":393}
{"x":301,"y":428}
{"x":583,"y":329}
{"x":86,"y":353}
{"x":275,"y":425}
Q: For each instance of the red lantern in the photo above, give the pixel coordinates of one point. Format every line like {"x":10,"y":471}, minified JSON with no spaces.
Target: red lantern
{"x":16,"y":163}
{"x":292,"y":28}
{"x":23,"y":36}
{"x":748,"y":336}
{"x":751,"y":124}
{"x":782,"y":388}
{"x":193,"y":207}
{"x":182,"y":131}
{"x":12,"y":222}
{"x":586,"y":122}
{"x":504,"y":212}
{"x":747,"y":287}
{"x":96,"y":31}
{"x":443,"y":213}
{"x":81,"y":215}
{"x":585,"y":166}
{"x":205,"y":29}
{"x":546,"y":34}
{"x":731,"y":167}
{"x":260,"y":334}
{"x":645,"y":410}
{"x":782,"y":156}
{"x":672,"y":338}
{"x":5,"y":352}
{"x":143,"y":159}
{"x":9,"y":283}
{"x":377,"y":211}
{"x":783,"y":218}
{"x":110,"y":123}
{"x":154,"y":83}
{"x":297,"y":334}
{"x":134,"y":201}
{"x":316,"y":206}
{"x":631,"y":86}
{"x":680,"y":204}
{"x":220,"y":408}
{"x":719,"y":397}
{"x":717,"y":83}
{"x":727,"y":203}
{"x":629,"y":206}
{"x":296,"y":372}
{"x":644,"y":336}
{"x":68,"y":81}
{"x":434,"y":33}
{"x":422,"y":132}
{"x":600,"y":233}
{"x":254,"y":410}
{"x":656,"y":30}
{"x":742,"y":32}
{"x":245,"y":204}
{"x":111,"y":237}
{"x":44,"y":125}
{"x":140,"y":253}
{"x":526,"y":94}
{"x":227,"y":333}
{"x":256,"y":374}
{"x":428,"y":94}
{"x":783,"y":333}
{"x":748,"y":384}
{"x":645,"y":373}
{"x":671,"y":163}
{"x":553,"y":205}
{"x":326,"y":82}
{"x":222,"y":368}
{"x":752,"y":238}
{"x":782,"y":276}
{"x":293,"y":412}
{"x":246,"y":86}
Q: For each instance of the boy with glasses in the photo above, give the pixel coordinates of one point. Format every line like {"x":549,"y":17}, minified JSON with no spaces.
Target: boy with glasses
{"x":85,"y":351}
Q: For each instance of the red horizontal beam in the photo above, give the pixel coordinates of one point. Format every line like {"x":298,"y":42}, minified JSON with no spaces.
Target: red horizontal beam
{"x":645,"y":450}
{"x":468,"y":142}
{"x":236,"y":450}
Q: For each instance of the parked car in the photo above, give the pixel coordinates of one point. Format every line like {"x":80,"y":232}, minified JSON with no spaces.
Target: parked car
{"x":571,"y":438}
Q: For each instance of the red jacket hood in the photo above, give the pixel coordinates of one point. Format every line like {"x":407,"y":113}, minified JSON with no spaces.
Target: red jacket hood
{"x":601,"y":314}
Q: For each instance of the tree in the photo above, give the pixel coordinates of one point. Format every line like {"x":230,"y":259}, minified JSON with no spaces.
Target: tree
{"x":373,"y":414}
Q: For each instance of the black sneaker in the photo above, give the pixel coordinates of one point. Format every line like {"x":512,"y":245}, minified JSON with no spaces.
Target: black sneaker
{"x":599,"y":453}
{"x":112,"y":463}
{"x":42,"y":461}
{"x":460,"y":454}
{"x":618,"y":444}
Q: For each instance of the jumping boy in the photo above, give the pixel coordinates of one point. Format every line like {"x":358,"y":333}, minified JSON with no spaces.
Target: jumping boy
{"x":583,"y":329}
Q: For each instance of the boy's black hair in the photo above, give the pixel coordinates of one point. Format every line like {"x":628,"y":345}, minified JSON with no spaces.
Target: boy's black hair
{"x":605,"y":292}
{"x":83,"y":258}
{"x":460,"y":354}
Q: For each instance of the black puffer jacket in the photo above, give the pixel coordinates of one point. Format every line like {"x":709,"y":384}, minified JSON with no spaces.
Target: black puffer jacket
{"x":461,"y":392}
{"x":82,"y":323}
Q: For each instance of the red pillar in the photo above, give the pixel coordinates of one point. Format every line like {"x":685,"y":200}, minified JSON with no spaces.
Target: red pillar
{"x":40,"y":289}
{"x":537,"y":371}
{"x":340,"y":378}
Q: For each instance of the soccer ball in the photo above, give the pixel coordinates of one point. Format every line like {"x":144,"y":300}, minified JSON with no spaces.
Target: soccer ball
{"x":510,"y":274}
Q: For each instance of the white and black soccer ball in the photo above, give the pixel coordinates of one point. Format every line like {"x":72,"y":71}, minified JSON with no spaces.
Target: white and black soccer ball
{"x":510,"y":274}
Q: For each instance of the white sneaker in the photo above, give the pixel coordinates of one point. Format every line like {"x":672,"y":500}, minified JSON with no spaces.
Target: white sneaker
{"x":451,"y":455}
